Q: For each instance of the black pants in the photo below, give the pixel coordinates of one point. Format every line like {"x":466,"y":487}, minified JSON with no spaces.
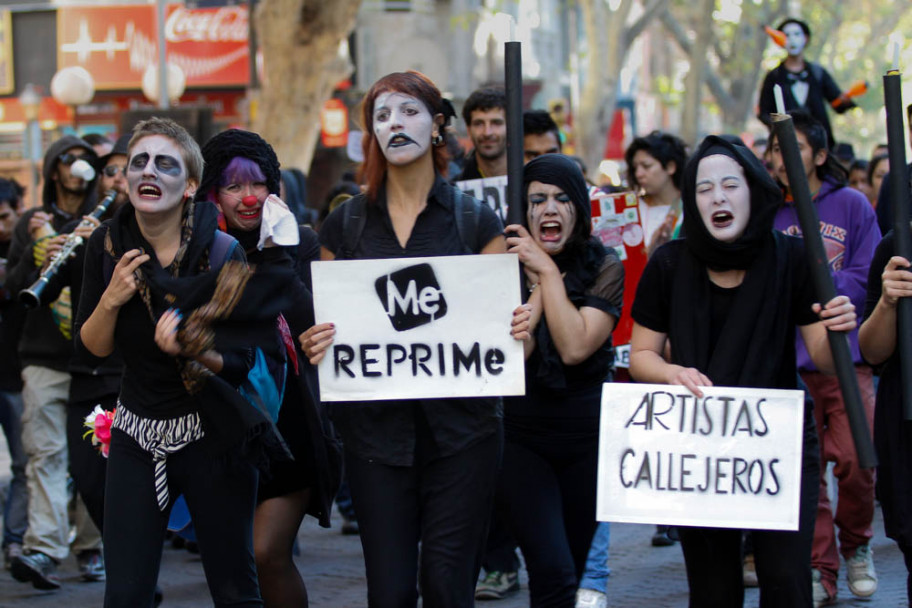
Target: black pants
{"x":907,"y":556}
{"x":87,"y":465}
{"x":443,"y":502}
{"x":547,"y":493}
{"x":221,"y":496}
{"x":783,"y":559}
{"x":500,"y":547}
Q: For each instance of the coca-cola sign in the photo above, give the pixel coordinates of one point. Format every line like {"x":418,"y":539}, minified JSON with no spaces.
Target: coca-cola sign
{"x":116,"y":44}
{"x":226,"y":24}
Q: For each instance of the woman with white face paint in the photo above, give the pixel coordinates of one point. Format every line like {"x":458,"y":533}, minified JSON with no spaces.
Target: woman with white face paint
{"x":419,"y":470}
{"x":158,"y":281}
{"x":728,"y":298}
{"x":805,"y":85}
{"x":575,"y":293}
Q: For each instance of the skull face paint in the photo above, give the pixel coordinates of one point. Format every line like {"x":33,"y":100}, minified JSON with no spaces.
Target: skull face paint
{"x":157,"y":175}
{"x":403,"y":126}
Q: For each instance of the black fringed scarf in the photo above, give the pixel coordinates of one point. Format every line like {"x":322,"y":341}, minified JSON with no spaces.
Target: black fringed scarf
{"x":229,"y":308}
{"x":753,"y":336}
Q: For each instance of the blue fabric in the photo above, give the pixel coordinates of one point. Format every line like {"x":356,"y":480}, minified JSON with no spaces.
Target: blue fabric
{"x":261,"y":389}
{"x":15,"y":511}
{"x":596,"y":575}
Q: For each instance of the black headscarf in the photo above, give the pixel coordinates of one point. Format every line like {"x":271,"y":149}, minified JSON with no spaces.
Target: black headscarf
{"x":765,"y":199}
{"x":754,"y":334}
{"x":579,"y":261}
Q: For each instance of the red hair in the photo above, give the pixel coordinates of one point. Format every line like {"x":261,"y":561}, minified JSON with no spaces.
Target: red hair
{"x":412,"y":83}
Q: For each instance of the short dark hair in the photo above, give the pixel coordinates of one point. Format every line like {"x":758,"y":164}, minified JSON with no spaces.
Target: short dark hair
{"x":804,"y":26}
{"x":96,"y":139}
{"x":816,"y":135}
{"x":539,"y":122}
{"x":665,"y":148}
{"x":489,"y":98}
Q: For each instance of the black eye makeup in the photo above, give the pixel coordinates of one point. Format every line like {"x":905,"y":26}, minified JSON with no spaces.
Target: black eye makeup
{"x":163,"y":163}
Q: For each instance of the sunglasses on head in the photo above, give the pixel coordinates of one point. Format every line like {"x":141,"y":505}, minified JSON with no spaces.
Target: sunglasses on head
{"x":113,"y":170}
{"x":68,"y":158}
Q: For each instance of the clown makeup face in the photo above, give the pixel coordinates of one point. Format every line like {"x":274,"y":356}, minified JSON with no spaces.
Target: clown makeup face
{"x":157,"y":175}
{"x":723,"y":197}
{"x":795,"y":40}
{"x":551,"y":216}
{"x":403,"y":127}
{"x":242,"y":203}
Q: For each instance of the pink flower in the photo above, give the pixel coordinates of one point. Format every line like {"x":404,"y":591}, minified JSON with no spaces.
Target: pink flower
{"x":99,"y":424}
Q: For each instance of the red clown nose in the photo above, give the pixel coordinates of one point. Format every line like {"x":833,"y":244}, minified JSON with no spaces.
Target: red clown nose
{"x":250,"y":201}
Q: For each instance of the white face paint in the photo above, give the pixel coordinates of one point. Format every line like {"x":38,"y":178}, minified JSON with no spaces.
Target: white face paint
{"x":795,"y":40}
{"x":403,"y":127}
{"x":723,"y":197}
{"x":551,"y":215}
{"x":157,"y":175}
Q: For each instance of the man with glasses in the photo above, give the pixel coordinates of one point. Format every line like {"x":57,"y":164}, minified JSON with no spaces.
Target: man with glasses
{"x":45,"y":349}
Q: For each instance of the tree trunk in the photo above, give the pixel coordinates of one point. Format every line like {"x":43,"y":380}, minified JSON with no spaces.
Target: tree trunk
{"x":300,"y":42}
{"x":693,"y":87}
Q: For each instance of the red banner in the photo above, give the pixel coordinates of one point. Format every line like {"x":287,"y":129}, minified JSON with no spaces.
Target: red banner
{"x":116,"y":44}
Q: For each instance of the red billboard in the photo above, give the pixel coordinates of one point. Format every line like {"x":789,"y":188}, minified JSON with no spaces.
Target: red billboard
{"x":116,"y":44}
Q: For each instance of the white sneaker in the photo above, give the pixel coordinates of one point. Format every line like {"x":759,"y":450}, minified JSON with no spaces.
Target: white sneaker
{"x":821,"y":596}
{"x":860,"y":572}
{"x":590,"y":598}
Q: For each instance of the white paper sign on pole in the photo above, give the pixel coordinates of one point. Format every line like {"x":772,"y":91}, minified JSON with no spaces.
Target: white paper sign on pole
{"x":491,"y":191}
{"x":414,"y":328}
{"x":731,"y":459}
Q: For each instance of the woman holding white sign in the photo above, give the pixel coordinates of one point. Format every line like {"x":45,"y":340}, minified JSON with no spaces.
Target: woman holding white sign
{"x":419,"y":470}
{"x":547,"y":487}
{"x":728,"y":298}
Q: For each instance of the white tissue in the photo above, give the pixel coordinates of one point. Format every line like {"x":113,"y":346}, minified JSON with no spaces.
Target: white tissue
{"x":81,"y":168}
{"x":279,"y":225}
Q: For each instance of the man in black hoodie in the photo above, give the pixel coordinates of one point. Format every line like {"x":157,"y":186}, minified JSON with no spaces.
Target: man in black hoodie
{"x":45,"y":349}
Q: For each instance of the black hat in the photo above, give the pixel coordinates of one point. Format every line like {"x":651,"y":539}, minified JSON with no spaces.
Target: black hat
{"x":120,"y":148}
{"x":222,"y":148}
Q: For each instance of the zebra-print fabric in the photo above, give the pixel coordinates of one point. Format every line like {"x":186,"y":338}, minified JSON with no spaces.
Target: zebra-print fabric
{"x":159,"y":438}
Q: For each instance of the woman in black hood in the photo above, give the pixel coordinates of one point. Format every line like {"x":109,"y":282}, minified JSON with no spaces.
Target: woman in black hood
{"x":728,"y":298}
{"x":575,"y":291}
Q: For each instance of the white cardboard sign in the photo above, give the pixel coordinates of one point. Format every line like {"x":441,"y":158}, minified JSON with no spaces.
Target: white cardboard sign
{"x":731,"y":459}
{"x":414,"y":328}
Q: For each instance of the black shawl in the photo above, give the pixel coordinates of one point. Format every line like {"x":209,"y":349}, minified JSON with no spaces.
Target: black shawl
{"x":747,"y":352}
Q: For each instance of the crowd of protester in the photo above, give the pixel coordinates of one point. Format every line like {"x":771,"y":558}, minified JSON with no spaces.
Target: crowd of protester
{"x":175,"y":313}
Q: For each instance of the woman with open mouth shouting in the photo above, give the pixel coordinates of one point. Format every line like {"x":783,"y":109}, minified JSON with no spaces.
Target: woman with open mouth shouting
{"x":178,"y":301}
{"x":547,"y":488}
{"x":728,"y":297}
{"x":241,"y":173}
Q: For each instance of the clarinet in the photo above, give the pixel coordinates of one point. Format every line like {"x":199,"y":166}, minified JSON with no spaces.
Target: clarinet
{"x":31,"y":297}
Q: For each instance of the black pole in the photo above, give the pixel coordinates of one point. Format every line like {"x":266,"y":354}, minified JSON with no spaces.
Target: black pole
{"x":899,"y":193}
{"x":784,"y":130}
{"x":513,"y":78}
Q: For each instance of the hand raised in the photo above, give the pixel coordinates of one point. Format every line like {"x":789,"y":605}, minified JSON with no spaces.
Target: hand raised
{"x":316,"y":340}
{"x":123,"y":280}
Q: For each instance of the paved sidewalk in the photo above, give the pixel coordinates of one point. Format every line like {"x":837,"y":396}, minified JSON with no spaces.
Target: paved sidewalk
{"x":334,"y":573}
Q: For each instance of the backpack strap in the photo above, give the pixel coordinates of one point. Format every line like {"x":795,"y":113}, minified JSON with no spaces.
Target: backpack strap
{"x":465,"y":212}
{"x":223,"y":246}
{"x":352,"y":225}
